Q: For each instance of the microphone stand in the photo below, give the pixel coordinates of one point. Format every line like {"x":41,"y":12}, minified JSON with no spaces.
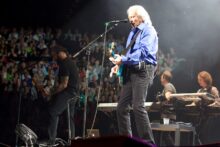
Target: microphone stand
{"x":87,"y":71}
{"x":19,"y":104}
{"x":101,"y":76}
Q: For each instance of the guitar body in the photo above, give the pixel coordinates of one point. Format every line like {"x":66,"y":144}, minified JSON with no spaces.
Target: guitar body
{"x":44,"y":91}
{"x":120,"y":73}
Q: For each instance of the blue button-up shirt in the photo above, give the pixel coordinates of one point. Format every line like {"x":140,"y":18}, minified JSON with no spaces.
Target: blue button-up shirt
{"x":145,"y":47}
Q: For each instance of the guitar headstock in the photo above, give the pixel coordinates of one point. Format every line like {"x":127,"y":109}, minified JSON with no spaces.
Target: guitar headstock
{"x":111,"y":48}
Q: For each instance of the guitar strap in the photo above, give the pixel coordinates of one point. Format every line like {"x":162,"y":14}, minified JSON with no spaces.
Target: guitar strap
{"x":132,"y":42}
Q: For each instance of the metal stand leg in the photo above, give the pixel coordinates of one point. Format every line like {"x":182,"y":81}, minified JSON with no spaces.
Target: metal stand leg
{"x":194,"y":134}
{"x":161,"y":138}
{"x":68,"y":118}
{"x":197,"y":136}
{"x":177,"y":137}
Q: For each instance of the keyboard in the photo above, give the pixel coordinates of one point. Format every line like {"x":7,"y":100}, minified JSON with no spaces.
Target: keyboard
{"x":192,"y":96}
{"x":113,"y":106}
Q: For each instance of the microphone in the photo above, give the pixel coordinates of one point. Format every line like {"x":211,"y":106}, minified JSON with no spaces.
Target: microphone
{"x":118,"y":21}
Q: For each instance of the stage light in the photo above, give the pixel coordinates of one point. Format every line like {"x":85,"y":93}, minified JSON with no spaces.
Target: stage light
{"x":26,"y":134}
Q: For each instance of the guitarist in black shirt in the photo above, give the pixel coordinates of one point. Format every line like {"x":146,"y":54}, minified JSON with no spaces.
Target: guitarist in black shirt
{"x":67,"y":88}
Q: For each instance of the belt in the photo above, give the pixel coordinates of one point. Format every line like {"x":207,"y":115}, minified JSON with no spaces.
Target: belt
{"x":139,"y":62}
{"x":142,"y":66}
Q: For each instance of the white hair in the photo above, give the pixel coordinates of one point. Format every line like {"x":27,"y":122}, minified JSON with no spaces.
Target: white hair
{"x":140,"y":11}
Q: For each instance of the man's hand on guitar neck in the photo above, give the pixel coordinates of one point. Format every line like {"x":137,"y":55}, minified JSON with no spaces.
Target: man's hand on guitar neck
{"x":116,"y":59}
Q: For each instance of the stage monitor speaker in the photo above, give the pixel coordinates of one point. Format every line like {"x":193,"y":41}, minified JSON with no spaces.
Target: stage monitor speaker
{"x":114,"y":141}
{"x":26,"y":134}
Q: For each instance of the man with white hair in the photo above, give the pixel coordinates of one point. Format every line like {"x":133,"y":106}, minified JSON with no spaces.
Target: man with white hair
{"x":139,"y":64}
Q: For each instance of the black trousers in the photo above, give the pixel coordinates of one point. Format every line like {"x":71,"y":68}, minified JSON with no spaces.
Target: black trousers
{"x":134,"y":93}
{"x":57,"y":105}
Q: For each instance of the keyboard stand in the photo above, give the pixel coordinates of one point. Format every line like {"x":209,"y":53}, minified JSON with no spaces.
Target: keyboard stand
{"x":177,"y":128}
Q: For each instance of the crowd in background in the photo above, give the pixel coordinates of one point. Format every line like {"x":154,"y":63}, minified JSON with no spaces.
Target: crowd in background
{"x":27,"y":68}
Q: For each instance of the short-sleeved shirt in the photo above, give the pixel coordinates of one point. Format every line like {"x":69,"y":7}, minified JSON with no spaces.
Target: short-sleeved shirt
{"x":68,"y":68}
{"x":168,"y":88}
{"x":167,"y":106}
